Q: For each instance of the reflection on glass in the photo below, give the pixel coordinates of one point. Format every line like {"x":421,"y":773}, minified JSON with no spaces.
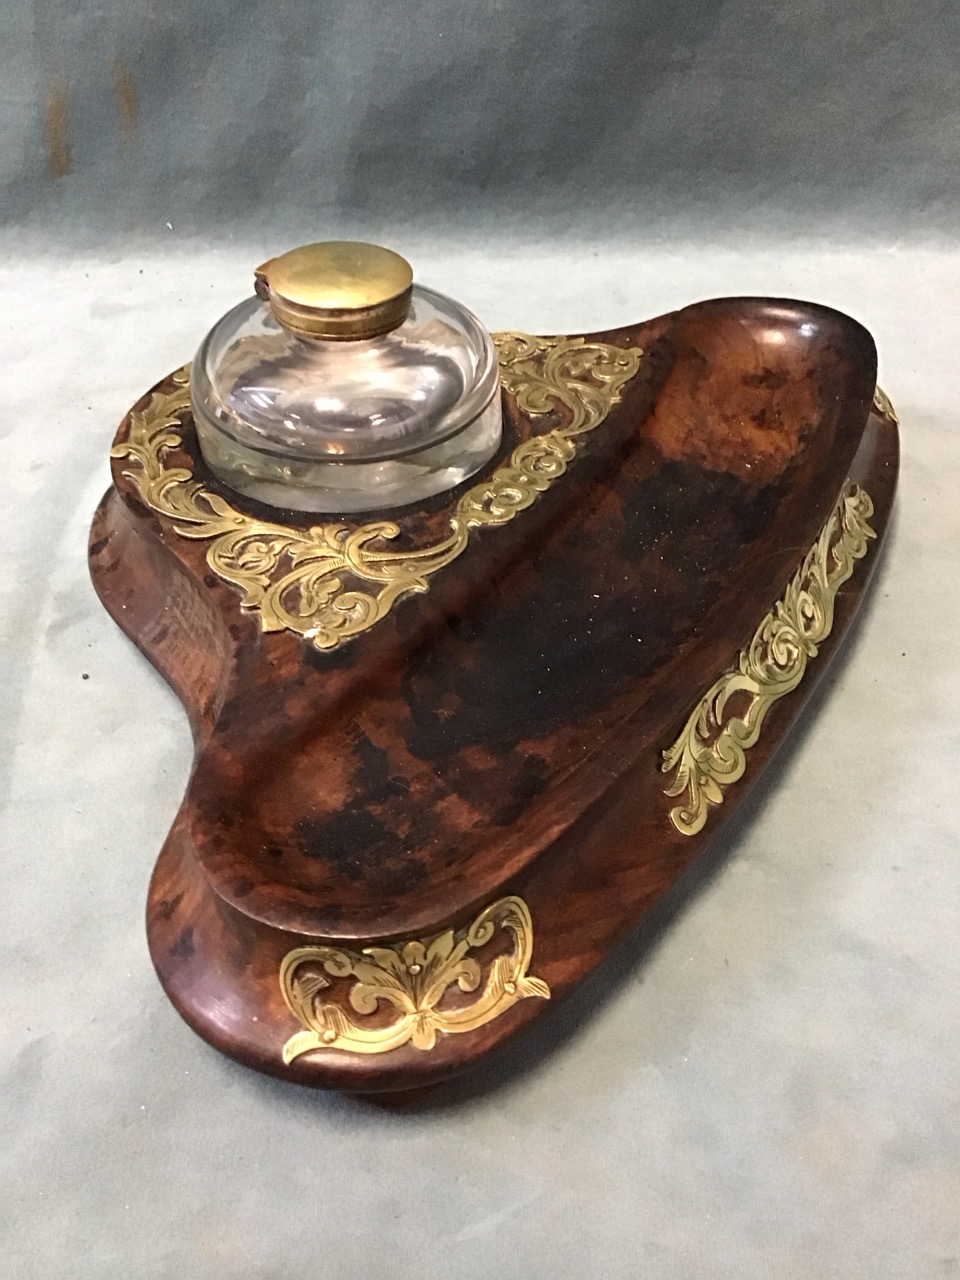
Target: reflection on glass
{"x":340,"y":426}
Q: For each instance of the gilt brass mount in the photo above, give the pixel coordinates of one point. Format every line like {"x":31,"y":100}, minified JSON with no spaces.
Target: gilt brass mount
{"x":412,"y":978}
{"x":336,"y":580}
{"x":710,"y":753}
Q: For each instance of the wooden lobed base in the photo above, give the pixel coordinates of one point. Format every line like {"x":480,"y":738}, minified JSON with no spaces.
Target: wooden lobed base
{"x":588,"y":873}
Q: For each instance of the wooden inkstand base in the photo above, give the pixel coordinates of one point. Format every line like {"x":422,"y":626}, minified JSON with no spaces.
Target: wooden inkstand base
{"x":446,"y":756}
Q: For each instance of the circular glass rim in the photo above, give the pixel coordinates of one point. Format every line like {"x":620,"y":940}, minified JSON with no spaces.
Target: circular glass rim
{"x":468,"y":408}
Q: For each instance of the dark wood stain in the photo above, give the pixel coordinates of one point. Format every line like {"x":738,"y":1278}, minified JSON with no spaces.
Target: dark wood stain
{"x":166,"y":907}
{"x":182,"y":949}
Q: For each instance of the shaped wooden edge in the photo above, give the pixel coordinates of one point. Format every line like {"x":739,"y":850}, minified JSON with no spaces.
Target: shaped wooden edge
{"x":415,"y":1010}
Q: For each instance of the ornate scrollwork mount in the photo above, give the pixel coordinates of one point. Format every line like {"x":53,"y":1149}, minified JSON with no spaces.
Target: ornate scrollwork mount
{"x":710,"y":752}
{"x":412,"y":980}
{"x":332,"y":581}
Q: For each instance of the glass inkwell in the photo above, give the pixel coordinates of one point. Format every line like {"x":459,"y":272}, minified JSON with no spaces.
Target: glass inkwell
{"x":343,"y":386}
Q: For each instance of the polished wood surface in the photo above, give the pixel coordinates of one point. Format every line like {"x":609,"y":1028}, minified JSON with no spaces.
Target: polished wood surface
{"x":502,"y":733}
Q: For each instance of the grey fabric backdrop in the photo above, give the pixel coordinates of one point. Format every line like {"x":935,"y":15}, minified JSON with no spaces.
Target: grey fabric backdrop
{"x":616,"y":116}
{"x":764,"y":1082}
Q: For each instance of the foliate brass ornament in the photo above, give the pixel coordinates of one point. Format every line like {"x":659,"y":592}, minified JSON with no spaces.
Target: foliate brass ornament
{"x":710,"y":753}
{"x":332,"y":581}
{"x":883,"y":408}
{"x":410,"y":978}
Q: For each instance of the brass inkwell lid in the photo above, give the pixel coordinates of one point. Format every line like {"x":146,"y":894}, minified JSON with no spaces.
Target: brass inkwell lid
{"x":339,"y":289}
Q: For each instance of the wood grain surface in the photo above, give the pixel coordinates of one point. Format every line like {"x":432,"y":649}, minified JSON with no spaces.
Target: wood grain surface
{"x":502,"y":733}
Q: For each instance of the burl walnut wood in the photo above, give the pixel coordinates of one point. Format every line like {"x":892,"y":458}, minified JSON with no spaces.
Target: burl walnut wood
{"x":502,"y":733}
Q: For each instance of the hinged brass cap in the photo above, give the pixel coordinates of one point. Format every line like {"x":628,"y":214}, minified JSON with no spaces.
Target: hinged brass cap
{"x":337,"y":289}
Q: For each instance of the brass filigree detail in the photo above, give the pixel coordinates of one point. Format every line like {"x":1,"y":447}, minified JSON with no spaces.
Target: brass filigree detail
{"x":332,"y":581}
{"x":710,"y":753}
{"x":883,"y":408}
{"x":411,"y":978}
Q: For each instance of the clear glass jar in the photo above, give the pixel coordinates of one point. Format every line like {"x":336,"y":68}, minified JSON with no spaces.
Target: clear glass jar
{"x":298,"y":404}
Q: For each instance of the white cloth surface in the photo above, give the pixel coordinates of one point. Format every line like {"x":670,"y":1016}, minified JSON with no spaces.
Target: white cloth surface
{"x":764,"y":1083}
